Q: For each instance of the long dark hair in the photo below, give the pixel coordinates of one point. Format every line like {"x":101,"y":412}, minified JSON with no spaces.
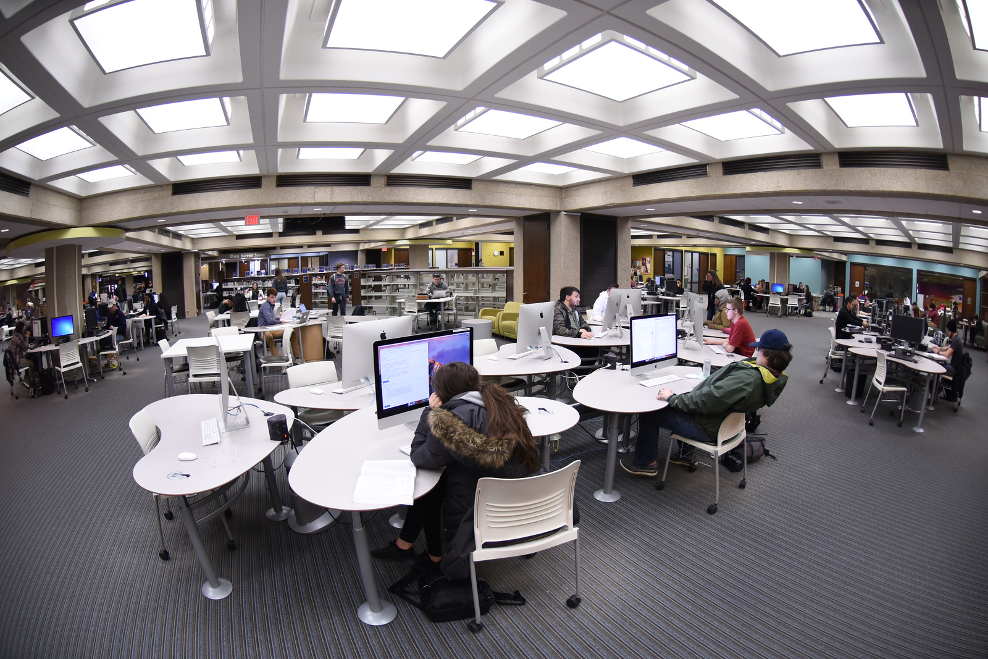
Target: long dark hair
{"x":505,"y":417}
{"x":277,"y":273}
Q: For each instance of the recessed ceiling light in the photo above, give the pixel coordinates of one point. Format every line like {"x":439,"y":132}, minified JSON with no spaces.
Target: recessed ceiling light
{"x":472,"y":210}
{"x":162,"y":220}
{"x":650,"y":209}
{"x":797,"y":203}
{"x":799,"y":26}
{"x":446,"y":158}
{"x":976,"y":212}
{"x":425,"y":27}
{"x":624,"y":147}
{"x":329,"y":152}
{"x":187,"y":115}
{"x":140,"y":32}
{"x":11,"y":94}
{"x":739,"y":125}
{"x":316,"y":209}
{"x":351,"y":108}
{"x":863,"y":110}
{"x":106,"y":173}
{"x":56,"y":143}
{"x":547,"y":168}
{"x":611,"y":67}
{"x":211,"y":158}
{"x":4,"y":230}
{"x":504,"y":124}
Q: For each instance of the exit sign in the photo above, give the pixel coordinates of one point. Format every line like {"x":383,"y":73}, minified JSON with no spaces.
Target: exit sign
{"x":252,"y":220}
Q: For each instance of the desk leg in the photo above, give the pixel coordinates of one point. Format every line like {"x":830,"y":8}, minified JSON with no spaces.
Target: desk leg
{"x":398,"y":519}
{"x":249,"y":366}
{"x":307,"y":519}
{"x":215,"y":588}
{"x":843,"y":371}
{"x":169,"y":378}
{"x":854,"y":386}
{"x":546,"y":450}
{"x":922,"y":408}
{"x":528,"y":385}
{"x":374,"y":611}
{"x":277,"y":512}
{"x":608,"y":494}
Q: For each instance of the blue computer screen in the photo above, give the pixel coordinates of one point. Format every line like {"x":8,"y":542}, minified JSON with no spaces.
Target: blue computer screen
{"x":404,"y":367}
{"x":778,"y":288}
{"x":62,"y":326}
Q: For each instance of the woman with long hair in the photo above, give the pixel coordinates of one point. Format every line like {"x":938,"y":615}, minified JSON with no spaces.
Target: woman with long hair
{"x":280,"y":284}
{"x":474,"y":430}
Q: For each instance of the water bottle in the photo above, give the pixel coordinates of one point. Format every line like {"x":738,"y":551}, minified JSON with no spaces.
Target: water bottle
{"x":706,"y":367}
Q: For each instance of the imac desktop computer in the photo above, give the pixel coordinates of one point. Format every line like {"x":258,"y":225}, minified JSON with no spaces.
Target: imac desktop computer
{"x":62,"y":327}
{"x":404,"y":368}
{"x":653,"y":343}
{"x":778,"y":288}
{"x":623,"y":303}
{"x":693,"y":320}
{"x":358,"y":342}
{"x":534,"y":330}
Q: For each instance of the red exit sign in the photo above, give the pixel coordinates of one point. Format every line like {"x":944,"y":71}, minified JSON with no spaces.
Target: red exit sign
{"x":252,"y":220}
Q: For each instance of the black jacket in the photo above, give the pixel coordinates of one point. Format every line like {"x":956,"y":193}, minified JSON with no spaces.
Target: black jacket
{"x":846,"y":317}
{"x":454,"y":436}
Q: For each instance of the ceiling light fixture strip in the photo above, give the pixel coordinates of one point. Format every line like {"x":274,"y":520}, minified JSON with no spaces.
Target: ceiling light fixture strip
{"x":602,"y":39}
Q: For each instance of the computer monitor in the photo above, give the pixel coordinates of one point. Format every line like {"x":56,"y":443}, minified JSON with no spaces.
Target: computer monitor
{"x":778,"y":288}
{"x":621,"y":303}
{"x":215,"y":284}
{"x":653,"y":342}
{"x":62,"y":326}
{"x":359,"y":339}
{"x":908,"y":329}
{"x":404,"y":368}
{"x":695,"y":315}
{"x":91,"y":319}
{"x":631,"y":302}
{"x":532,"y":319}
{"x":156,"y":298}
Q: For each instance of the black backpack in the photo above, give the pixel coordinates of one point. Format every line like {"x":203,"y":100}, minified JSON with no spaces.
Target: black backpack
{"x":443,"y":600}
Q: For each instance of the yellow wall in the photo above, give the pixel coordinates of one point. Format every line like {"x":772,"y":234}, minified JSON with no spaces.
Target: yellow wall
{"x":719,"y":251}
{"x":388,"y":257}
{"x":637,"y":252}
{"x":487,"y":251}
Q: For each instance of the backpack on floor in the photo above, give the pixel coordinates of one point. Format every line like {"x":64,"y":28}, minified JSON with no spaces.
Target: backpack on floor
{"x":753,"y":446}
{"x":358,"y":310}
{"x":48,"y":382}
{"x":443,"y":600}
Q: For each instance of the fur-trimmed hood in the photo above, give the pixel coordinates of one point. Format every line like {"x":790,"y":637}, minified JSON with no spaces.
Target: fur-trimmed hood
{"x":467,"y":443}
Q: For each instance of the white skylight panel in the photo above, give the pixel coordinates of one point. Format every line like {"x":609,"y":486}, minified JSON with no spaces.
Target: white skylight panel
{"x":799,"y":26}
{"x":974,"y":231}
{"x":504,"y":124}
{"x":756,"y":219}
{"x":211,"y":158}
{"x":624,"y":147}
{"x":415,"y":219}
{"x":187,"y":115}
{"x":56,"y":143}
{"x":975,"y":13}
{"x":329,"y":152}
{"x":360,"y":221}
{"x":446,"y":158}
{"x":616,"y":71}
{"x":860,"y":221}
{"x":11,"y":94}
{"x":874,"y":110}
{"x":424,"y":27}
{"x":547,"y":168}
{"x":739,"y":125}
{"x":810,"y":219}
{"x":351,"y":108}
{"x":924,"y":225}
{"x":139,"y":32}
{"x":106,"y":173}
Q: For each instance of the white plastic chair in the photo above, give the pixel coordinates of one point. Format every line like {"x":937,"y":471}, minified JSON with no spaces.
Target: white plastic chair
{"x":239,"y":319}
{"x":174,"y":321}
{"x":774,"y":301}
{"x":523,"y":516}
{"x":332,"y":334}
{"x":69,"y":360}
{"x":483,"y":347}
{"x":314,"y":374}
{"x":792,"y":305}
{"x":204,"y":364}
{"x":147,"y":436}
{"x":181,"y":369}
{"x":211,"y":317}
{"x":224,"y":331}
{"x":129,"y":341}
{"x":835,"y":354}
{"x":279,"y":363}
{"x":878,"y":381}
{"x":730,"y":434}
{"x":449,"y":310}
{"x":115,"y":351}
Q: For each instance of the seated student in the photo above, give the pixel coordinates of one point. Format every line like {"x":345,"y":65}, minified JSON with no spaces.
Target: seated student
{"x":748,"y":293}
{"x":117,"y":318}
{"x":848,"y":315}
{"x":597,"y":313}
{"x":807,"y":302}
{"x":739,"y":387}
{"x":472,"y":431}
{"x":566,"y":320}
{"x":225,"y":306}
{"x":678,"y":288}
{"x":917,"y":312}
{"x":741,"y":336}
{"x":152,"y":309}
{"x":954,"y":351}
{"x":240,"y":303}
{"x":434,"y":308}
{"x":720,"y":320}
{"x":19,"y":347}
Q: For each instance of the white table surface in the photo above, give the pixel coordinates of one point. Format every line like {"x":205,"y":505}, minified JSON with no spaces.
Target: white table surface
{"x":707,"y":332}
{"x":226,"y":316}
{"x":303,"y":397}
{"x":717,"y":360}
{"x":229,"y":344}
{"x":606,"y":342}
{"x":560,"y":417}
{"x":620,"y":391}
{"x":533,"y":365}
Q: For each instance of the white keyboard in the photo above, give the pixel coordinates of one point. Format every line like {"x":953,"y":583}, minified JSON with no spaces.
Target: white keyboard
{"x":719,"y":350}
{"x":210,"y":431}
{"x":654,"y":382}
{"x":406,"y":449}
{"x":521,"y":355}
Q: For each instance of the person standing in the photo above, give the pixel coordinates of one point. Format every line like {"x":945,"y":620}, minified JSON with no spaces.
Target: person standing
{"x":280,"y":286}
{"x":436,"y":289}
{"x":339,"y":290}
{"x":121,"y":291}
{"x":711,"y":284}
{"x":597,"y":313}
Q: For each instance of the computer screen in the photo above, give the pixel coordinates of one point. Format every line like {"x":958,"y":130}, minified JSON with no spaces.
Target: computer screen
{"x":907,"y":328}
{"x":778,"y":288}
{"x":359,"y":339}
{"x":91,"y":319}
{"x":404,"y":368}
{"x":62,"y":326}
{"x":215,"y":284}
{"x":531,"y":317}
{"x":653,"y":339}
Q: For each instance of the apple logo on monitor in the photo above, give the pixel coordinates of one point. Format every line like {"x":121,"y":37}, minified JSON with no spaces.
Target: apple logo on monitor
{"x":384,"y":336}
{"x":541,"y":314}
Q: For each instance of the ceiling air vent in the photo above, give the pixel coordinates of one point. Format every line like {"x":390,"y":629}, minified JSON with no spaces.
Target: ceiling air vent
{"x":893,"y":243}
{"x":14,"y":185}
{"x":852,"y":241}
{"x":666,"y":175}
{"x":416,"y":181}
{"x":216,"y":185}
{"x":936,"y":248}
{"x":773,"y":164}
{"x":299,"y":180}
{"x":757,"y":229}
{"x":731,"y":223}
{"x":443,"y":220}
{"x":894,"y":160}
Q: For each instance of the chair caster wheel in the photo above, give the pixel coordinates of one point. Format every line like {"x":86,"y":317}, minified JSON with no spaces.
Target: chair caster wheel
{"x":228,"y":513}
{"x":743,"y":484}
{"x":169,"y":515}
{"x":573,"y":601}
{"x":475,"y":626}
{"x":164,"y":555}
{"x":871,"y":422}
{"x":711,"y":509}
{"x":660,"y":485}
{"x":66,"y":396}
{"x":821,"y":380}
{"x":231,"y":545}
{"x":693,"y":467}
{"x":899,"y":424}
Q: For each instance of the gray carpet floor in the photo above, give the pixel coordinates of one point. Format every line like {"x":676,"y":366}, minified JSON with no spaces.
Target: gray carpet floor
{"x":858,"y":542}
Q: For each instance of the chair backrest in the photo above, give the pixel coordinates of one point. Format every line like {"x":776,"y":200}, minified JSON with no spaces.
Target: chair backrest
{"x":312,"y":373}
{"x":833,"y":338}
{"x":730,"y":427}
{"x":203,"y":360}
{"x":239,"y":319}
{"x":210,"y":315}
{"x":253,"y":305}
{"x":68,"y":354}
{"x":163,"y":344}
{"x":224,"y":331}
{"x":483,"y":347}
{"x":774,"y":299}
{"x":144,"y":431}
{"x":512,"y":307}
{"x":515,"y":508}
{"x":286,"y":344}
{"x":880,"y":369}
{"x":174,"y":312}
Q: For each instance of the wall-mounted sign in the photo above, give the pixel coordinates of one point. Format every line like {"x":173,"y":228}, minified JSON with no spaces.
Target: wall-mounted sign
{"x":252,"y":220}
{"x":246,"y":256}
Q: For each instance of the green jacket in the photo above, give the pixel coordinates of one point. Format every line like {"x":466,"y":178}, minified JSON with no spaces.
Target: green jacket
{"x":738,"y":387}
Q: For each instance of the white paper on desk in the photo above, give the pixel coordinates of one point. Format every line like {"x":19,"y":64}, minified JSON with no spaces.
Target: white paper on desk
{"x":387,"y":482}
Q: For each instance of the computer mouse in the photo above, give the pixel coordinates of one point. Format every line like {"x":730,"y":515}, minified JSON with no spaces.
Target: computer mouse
{"x":185,"y":457}
{"x":316,"y":391}
{"x":493,"y":358}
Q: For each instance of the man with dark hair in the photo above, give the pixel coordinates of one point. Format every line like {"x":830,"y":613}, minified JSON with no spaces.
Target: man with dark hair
{"x":738,"y":387}
{"x":848,"y":315}
{"x":436,"y":289}
{"x":566,"y":319}
{"x":117,"y":319}
{"x":954,"y":351}
{"x":339,"y":290}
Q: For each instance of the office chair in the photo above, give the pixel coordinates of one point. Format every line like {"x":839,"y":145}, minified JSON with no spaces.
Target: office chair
{"x":878,"y":381}
{"x":204,"y":365}
{"x":181,"y":369}
{"x":278,"y":363}
{"x":314,"y":374}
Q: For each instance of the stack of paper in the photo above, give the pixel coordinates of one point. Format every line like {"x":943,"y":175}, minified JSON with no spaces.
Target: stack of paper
{"x":387,"y":482}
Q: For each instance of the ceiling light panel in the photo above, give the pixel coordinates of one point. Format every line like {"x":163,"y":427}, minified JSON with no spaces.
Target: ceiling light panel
{"x":789,"y":27}
{"x":547,"y":168}
{"x":874,"y":110}
{"x":211,"y":158}
{"x":975,"y":15}
{"x":187,"y":115}
{"x":329,"y":153}
{"x":431,"y":28}
{"x":56,"y":143}
{"x":624,"y":147}
{"x":11,"y":94}
{"x":351,"y":108}
{"x":446,"y":158}
{"x":616,"y":67}
{"x":499,"y":123}
{"x":139,"y":32}
{"x":106,"y":173}
{"x":739,"y":125}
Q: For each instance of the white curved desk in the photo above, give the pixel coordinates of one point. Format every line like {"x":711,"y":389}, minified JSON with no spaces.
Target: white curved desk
{"x":547,"y":418}
{"x":924,"y":366}
{"x":178,"y":420}
{"x":562,"y":359}
{"x":596,"y":342}
{"x":704,"y":352}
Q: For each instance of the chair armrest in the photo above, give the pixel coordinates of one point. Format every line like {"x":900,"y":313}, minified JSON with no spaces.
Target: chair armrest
{"x":507,"y":316}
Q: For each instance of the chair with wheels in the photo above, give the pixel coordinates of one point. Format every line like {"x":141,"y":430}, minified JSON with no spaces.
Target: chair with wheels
{"x":521,"y":516}
{"x":835,"y":354}
{"x":69,"y":360}
{"x":880,"y":382}
{"x":332,"y":334}
{"x":730,"y":434}
{"x":114,"y":352}
{"x":449,"y":312}
{"x":211,"y":317}
{"x":957,"y":381}
{"x":204,"y":365}
{"x":147,"y":436}
{"x":128,"y":343}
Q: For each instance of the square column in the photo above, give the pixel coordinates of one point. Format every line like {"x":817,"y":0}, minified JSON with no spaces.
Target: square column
{"x":63,"y":284}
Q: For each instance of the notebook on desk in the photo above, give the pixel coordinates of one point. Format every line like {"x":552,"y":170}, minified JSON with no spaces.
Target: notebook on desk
{"x":386,"y":482}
